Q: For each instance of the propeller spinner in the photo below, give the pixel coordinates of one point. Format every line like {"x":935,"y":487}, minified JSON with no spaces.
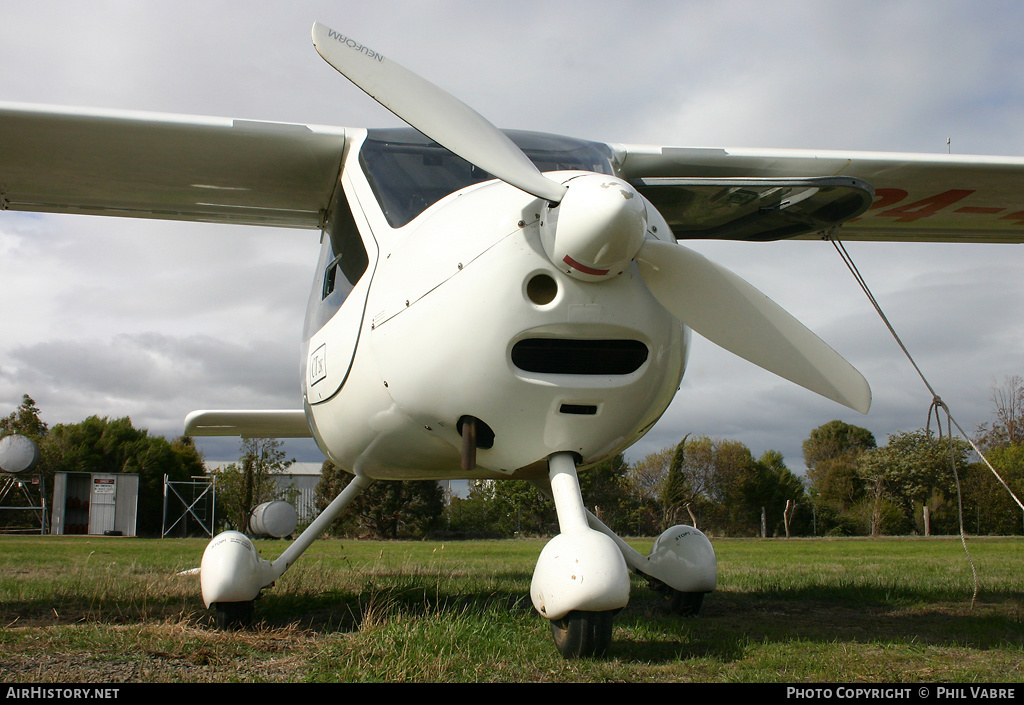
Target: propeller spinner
{"x":597,"y":229}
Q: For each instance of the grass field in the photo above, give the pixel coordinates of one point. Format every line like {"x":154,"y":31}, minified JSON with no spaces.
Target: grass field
{"x":106,"y":610}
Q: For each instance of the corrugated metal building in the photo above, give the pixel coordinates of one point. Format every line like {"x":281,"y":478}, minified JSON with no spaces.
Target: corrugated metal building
{"x":300,"y":477}
{"x":95,"y":503}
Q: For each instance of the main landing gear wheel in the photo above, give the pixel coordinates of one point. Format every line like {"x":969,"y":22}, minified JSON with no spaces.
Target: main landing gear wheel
{"x":684,"y":604}
{"x":233,"y":615}
{"x":582,"y":634}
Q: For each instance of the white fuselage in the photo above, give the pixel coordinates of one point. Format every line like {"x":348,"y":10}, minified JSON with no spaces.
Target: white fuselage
{"x":460,"y":313}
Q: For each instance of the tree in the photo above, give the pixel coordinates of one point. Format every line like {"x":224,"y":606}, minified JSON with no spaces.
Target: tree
{"x":990,"y":507}
{"x":835,"y":439}
{"x":24,"y":421}
{"x":832,"y":454}
{"x":878,"y":508}
{"x":1002,"y":442}
{"x":707,"y":479}
{"x":677,"y":492}
{"x":392,"y":510}
{"x":914,"y":469}
{"x":521,"y":509}
{"x":774,"y":487}
{"x":386,"y":509}
{"x":734,"y":504}
{"x":1008,"y":426}
{"x":471,"y":517}
{"x":606,"y":493}
{"x":644,"y":482}
{"x":243,"y":486}
{"x":511,"y":507}
{"x":333,"y":479}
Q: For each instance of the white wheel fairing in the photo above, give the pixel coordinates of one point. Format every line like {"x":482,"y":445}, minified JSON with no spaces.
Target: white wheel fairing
{"x":232,"y":570}
{"x":684,"y":559}
{"x":579,"y":571}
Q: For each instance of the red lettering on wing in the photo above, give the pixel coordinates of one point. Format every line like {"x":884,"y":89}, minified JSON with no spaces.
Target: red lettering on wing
{"x":925,"y":207}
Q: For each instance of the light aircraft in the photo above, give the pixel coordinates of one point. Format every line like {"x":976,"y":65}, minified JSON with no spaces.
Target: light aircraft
{"x":498,"y":305}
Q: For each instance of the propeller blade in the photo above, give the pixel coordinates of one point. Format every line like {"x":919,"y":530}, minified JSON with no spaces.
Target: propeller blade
{"x":734,"y":315}
{"x":434,"y":112}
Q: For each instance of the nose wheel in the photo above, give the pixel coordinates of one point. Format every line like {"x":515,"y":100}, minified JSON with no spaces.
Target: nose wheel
{"x":582,"y":634}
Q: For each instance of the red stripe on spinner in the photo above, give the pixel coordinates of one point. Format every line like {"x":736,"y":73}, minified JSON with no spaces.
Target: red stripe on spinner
{"x":583,"y":268}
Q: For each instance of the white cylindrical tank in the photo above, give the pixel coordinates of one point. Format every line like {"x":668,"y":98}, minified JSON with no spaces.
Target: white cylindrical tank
{"x":277,"y":519}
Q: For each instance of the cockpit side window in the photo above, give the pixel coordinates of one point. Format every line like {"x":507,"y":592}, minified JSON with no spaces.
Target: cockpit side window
{"x":349,"y":261}
{"x":342,"y":262}
{"x":408,"y":172}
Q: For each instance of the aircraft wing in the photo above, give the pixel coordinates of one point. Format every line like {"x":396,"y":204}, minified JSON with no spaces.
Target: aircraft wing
{"x":64,"y":160}
{"x":118,"y":163}
{"x":926,"y":198}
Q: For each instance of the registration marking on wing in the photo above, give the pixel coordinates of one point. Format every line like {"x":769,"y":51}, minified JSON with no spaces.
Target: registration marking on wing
{"x":889,"y":203}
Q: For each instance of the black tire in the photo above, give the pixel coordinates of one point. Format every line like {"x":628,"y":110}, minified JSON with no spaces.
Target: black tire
{"x":583,"y":634}
{"x":233,"y":615}
{"x":684,"y":604}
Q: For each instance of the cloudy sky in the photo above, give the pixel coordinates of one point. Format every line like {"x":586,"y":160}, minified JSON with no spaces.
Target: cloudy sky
{"x":150,"y":319}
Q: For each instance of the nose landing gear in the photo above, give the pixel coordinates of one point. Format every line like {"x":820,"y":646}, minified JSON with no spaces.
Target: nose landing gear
{"x":582,"y":576}
{"x":581,"y":579}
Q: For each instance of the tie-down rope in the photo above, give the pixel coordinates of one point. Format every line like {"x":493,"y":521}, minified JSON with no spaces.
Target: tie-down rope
{"x":937,"y":405}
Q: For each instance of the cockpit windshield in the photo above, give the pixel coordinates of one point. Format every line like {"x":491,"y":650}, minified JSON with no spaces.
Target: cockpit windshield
{"x":409,"y":172}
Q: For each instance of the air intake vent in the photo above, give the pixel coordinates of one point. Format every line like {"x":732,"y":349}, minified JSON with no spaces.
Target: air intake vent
{"x":579,"y":409}
{"x":561,"y":356}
